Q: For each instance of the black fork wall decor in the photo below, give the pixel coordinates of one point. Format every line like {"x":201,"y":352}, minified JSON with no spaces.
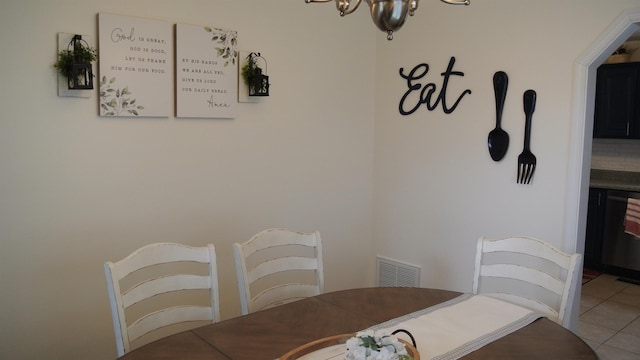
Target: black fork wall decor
{"x":526,"y":159}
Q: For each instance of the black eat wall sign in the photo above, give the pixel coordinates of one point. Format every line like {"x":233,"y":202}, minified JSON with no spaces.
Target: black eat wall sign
{"x":427,"y":90}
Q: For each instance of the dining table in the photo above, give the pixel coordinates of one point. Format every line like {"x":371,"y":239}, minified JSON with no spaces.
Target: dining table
{"x":270,"y":333}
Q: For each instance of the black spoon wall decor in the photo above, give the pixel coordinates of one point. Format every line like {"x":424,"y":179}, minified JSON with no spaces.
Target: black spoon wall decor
{"x":498,"y":139}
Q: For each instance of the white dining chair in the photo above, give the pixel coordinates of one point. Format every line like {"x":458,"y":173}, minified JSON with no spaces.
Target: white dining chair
{"x":161,"y":289}
{"x":528,"y":272}
{"x":278,"y":266}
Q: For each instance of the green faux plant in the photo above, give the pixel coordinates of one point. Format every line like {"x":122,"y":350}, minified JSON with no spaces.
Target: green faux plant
{"x":249,"y":71}
{"x":66,"y":59}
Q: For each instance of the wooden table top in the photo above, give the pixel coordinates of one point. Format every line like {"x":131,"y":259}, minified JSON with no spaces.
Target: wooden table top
{"x":271,"y":333}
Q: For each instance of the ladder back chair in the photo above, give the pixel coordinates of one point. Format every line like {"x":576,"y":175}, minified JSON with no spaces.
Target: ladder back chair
{"x":277,"y":266}
{"x":528,"y":272}
{"x":161,"y":289}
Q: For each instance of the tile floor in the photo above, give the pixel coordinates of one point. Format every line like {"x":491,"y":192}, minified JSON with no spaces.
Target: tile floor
{"x":610,"y":318}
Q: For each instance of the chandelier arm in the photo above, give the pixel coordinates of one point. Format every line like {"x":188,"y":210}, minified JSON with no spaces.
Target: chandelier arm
{"x":348,"y":9}
{"x":457,"y":2}
{"x":344,"y":6}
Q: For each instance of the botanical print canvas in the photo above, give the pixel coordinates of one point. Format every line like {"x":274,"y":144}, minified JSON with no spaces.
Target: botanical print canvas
{"x":136,"y":64}
{"x":206,"y":72}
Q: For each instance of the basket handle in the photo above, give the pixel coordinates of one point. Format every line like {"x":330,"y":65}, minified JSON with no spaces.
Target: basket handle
{"x":413,"y":341}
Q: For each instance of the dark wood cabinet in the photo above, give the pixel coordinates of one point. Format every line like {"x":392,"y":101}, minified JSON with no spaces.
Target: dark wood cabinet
{"x":595,"y":228}
{"x":617,"y":107}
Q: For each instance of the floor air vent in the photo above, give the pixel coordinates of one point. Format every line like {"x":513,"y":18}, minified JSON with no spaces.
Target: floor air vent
{"x":395,"y":273}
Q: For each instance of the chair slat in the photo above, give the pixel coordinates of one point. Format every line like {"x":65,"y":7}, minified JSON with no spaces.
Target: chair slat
{"x":278,"y":237}
{"x":282,"y":264}
{"x":522,"y":273}
{"x":528,"y":246}
{"x":162,"y":285}
{"x":169,"y":316}
{"x":155,"y":254}
{"x":283,"y":294}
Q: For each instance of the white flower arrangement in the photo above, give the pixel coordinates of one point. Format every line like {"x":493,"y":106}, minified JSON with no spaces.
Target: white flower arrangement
{"x":366,"y":345}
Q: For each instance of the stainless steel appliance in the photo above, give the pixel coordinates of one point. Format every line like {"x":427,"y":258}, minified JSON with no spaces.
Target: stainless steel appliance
{"x":619,"y":249}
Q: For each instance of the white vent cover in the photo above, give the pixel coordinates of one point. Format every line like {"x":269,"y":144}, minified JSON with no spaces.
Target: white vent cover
{"x":395,"y":273}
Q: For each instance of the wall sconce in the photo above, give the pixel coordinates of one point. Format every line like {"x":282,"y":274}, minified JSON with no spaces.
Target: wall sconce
{"x":388,"y":15}
{"x":81,"y":70}
{"x":254,"y":77}
{"x":74,"y":63}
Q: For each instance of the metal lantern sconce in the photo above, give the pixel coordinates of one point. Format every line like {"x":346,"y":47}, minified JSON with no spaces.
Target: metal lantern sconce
{"x":388,"y":15}
{"x":74,"y":63}
{"x":81,"y":70}
{"x":262,"y":89}
{"x":253,"y":75}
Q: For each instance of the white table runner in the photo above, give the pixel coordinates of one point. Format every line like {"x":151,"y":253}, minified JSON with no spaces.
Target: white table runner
{"x":460,"y":326}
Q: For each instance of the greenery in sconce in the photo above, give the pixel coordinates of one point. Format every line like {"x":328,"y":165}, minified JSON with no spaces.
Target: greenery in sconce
{"x":250,"y":72}
{"x":66,"y":59}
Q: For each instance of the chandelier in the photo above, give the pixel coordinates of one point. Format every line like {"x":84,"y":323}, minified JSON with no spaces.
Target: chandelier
{"x":388,"y":15}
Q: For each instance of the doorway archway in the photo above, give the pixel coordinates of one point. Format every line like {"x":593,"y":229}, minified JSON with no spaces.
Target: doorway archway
{"x":579,"y":165}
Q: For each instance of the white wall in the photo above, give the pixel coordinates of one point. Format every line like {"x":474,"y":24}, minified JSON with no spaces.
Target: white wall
{"x":78,"y":189}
